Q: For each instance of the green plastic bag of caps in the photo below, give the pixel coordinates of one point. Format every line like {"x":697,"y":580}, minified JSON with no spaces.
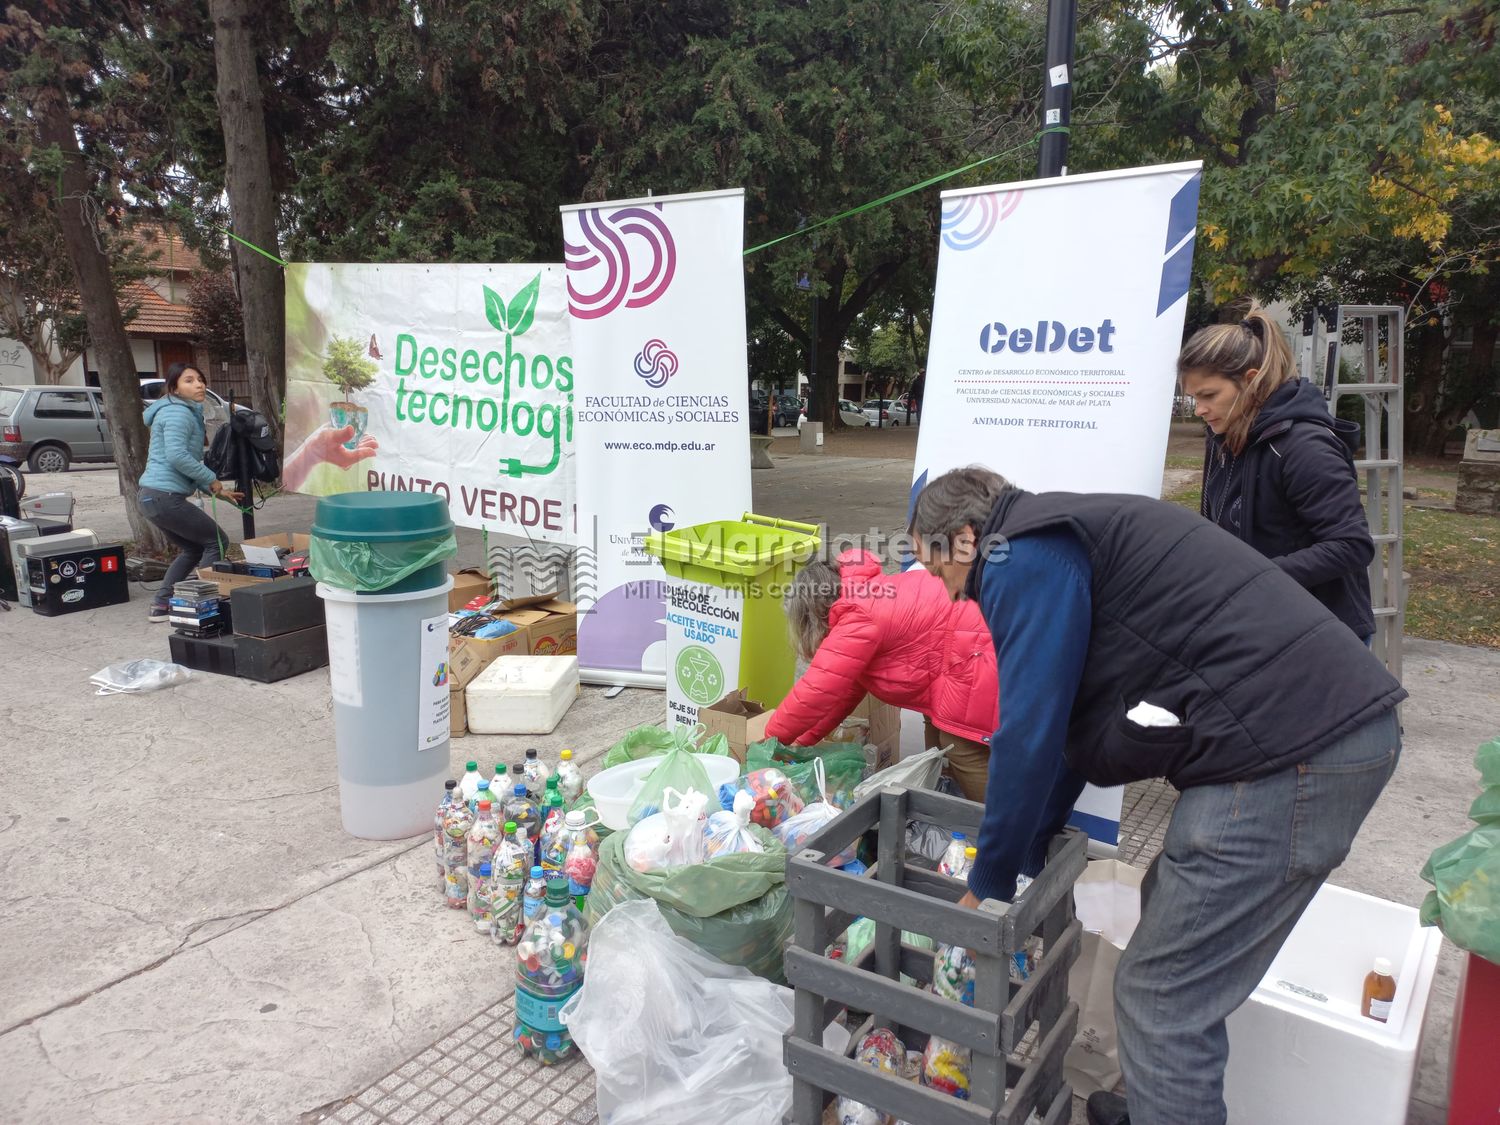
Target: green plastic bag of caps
{"x":843,"y":767}
{"x":1465,"y":903}
{"x":735,"y":907}
{"x":642,"y":742}
{"x":372,"y":567}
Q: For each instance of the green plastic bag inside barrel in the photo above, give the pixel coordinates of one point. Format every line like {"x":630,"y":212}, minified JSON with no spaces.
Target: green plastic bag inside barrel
{"x":372,"y":567}
{"x":1466,"y":873}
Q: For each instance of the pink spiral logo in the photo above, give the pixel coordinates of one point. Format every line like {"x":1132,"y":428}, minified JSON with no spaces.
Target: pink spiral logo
{"x":967,"y":222}
{"x":628,"y":258}
{"x":656,"y":363}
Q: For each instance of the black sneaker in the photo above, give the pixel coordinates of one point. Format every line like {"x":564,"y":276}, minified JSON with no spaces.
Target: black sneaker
{"x":1105,"y":1108}
{"x":160,"y":614}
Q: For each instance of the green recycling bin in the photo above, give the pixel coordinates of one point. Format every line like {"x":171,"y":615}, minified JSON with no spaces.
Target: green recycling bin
{"x":380,"y":559}
{"x":725,"y":625}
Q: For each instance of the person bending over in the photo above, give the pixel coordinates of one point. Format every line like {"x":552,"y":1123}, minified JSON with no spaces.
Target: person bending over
{"x":899,"y":638}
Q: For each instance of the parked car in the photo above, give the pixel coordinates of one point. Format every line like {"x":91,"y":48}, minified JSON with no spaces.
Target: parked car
{"x":851,"y":414}
{"x":760,"y":413}
{"x":884,"y":412}
{"x":52,"y":427}
{"x":788,"y":408}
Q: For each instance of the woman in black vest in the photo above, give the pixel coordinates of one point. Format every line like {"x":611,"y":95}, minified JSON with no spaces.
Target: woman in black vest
{"x":1278,"y":471}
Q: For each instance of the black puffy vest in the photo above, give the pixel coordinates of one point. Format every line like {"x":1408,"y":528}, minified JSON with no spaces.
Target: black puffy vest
{"x":1190,"y":618}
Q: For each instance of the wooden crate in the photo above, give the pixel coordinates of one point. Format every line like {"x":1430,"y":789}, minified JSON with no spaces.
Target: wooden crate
{"x":1018,"y":1032}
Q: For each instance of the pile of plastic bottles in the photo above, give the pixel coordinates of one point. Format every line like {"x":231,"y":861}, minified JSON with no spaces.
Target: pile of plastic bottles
{"x":522,"y":869}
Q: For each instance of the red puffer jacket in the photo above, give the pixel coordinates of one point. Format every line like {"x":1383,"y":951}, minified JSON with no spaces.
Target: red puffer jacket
{"x":899,"y":638}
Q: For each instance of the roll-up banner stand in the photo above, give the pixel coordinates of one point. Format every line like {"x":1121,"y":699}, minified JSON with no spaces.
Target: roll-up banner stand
{"x":656,"y":291}
{"x":1056,"y":325}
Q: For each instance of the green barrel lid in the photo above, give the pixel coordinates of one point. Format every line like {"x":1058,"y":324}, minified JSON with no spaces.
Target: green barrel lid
{"x":382,"y":517}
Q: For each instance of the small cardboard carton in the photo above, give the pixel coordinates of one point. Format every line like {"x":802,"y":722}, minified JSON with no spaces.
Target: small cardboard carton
{"x":740,"y":720}
{"x":458,"y":715}
{"x":556,"y":634}
{"x":468,"y":584}
{"x":875,"y":724}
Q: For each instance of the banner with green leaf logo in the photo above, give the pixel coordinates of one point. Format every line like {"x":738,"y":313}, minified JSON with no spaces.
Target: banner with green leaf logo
{"x":453,"y":379}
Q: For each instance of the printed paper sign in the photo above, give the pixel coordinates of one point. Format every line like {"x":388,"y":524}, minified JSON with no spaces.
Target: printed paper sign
{"x":432,"y":711}
{"x":705,"y":625}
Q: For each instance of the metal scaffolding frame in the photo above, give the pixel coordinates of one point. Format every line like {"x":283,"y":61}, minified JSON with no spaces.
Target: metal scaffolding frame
{"x":1368,"y":340}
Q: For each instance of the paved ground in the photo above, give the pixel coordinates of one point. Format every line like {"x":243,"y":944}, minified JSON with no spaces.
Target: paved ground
{"x":217,"y":949}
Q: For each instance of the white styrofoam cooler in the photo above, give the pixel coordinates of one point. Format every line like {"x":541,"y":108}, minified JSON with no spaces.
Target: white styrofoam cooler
{"x":522,"y":694}
{"x":1295,"y":1059}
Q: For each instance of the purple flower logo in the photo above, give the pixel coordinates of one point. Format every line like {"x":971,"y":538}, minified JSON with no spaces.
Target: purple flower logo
{"x":628,"y":258}
{"x":967,"y":222}
{"x":656,"y":363}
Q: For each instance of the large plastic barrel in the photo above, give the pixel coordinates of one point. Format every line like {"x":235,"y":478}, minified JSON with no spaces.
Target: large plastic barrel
{"x":379,"y":558}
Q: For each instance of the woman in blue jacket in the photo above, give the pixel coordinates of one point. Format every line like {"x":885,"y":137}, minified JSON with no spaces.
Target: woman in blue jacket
{"x":174,"y":472}
{"x":1278,"y":470}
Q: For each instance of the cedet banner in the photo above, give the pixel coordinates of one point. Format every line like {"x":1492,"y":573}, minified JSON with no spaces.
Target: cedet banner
{"x":656,"y":289}
{"x":451,"y":379}
{"x":1056,"y":325}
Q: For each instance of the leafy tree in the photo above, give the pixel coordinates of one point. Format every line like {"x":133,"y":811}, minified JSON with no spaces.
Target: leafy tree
{"x":346,"y":364}
{"x":217,"y":322}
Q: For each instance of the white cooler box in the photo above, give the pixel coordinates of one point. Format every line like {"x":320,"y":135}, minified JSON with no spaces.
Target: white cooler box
{"x":522,"y":694}
{"x":1298,"y":1059}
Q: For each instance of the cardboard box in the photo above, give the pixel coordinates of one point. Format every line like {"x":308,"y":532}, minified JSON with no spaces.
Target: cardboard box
{"x":458,"y":715}
{"x":740,"y":720}
{"x":468,"y":584}
{"x":557,"y":633}
{"x":875,"y":724}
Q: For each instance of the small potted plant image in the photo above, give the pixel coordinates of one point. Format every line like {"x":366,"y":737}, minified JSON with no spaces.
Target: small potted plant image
{"x":346,"y":364}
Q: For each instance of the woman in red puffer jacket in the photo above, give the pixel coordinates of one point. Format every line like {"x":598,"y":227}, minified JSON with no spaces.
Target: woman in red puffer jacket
{"x":899,"y":638}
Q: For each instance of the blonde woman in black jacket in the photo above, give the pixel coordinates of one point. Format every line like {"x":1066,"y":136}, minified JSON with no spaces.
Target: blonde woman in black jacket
{"x":1278,"y":470}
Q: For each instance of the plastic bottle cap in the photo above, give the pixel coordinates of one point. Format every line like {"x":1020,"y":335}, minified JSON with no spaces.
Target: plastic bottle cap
{"x":485,"y":869}
{"x":484,"y":804}
{"x":1383,"y":966}
{"x":500,"y":768}
{"x":471,"y":766}
{"x":958,"y":835}
{"x":536,"y":871}
{"x":531,"y":753}
{"x":450,"y":784}
{"x":574,"y":819}
{"x":510,"y":827}
{"x":970,"y":852}
{"x":566,"y":755}
{"x":516,"y":769}
{"x":554,"y":1041}
{"x":485,"y":785}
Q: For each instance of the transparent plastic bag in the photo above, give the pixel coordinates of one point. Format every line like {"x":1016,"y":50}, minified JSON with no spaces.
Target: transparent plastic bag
{"x":727,"y":832}
{"x":670,"y":838}
{"x":776,"y":798}
{"x":920,"y":771}
{"x":705,"y":1037}
{"x":138,"y":676}
{"x":797,"y":828}
{"x":843,"y":766}
{"x":679,"y":770}
{"x":372,"y":567}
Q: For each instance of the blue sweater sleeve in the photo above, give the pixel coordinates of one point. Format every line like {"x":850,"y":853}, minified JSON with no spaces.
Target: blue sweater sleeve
{"x":182,"y":446}
{"x":1038,"y":606}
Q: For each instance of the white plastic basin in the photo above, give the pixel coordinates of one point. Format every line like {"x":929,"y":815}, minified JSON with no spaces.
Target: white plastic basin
{"x":614,"y":790}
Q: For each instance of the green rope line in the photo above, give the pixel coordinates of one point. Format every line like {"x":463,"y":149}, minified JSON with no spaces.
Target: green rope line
{"x":257,"y":249}
{"x":927,"y":183}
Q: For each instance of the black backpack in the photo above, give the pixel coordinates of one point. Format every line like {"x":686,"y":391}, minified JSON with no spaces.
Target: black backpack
{"x":248,"y":434}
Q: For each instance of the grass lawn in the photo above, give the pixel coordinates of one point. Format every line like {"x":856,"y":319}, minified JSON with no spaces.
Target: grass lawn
{"x":1454,"y":563}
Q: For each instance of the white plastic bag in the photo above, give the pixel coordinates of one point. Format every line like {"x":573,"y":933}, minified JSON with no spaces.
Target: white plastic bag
{"x":796,"y":829}
{"x":726,"y":832}
{"x":670,"y":838}
{"x":139,"y":676}
{"x":704,"y":1040}
{"x":920,"y":771}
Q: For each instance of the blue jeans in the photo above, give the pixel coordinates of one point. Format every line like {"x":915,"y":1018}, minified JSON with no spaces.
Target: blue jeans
{"x":1239,"y":865}
{"x":191,"y":529}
